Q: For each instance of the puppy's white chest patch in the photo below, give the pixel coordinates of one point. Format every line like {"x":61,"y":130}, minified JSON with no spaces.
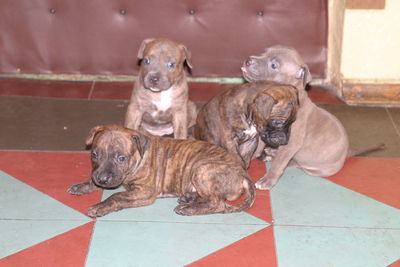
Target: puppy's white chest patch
{"x":165,"y":101}
{"x":250,"y":132}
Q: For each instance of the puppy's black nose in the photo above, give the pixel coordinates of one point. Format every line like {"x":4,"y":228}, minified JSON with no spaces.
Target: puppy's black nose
{"x":154,"y":79}
{"x":103,"y":179}
{"x":275,"y":139}
{"x":278,"y":139}
{"x":248,"y":62}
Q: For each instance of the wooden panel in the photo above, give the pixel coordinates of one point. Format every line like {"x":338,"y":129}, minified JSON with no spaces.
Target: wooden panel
{"x":372,"y":94}
{"x":365,"y":4}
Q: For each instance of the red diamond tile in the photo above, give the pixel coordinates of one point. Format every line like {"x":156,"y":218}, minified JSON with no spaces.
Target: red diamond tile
{"x":44,"y":172}
{"x":255,"y":250}
{"x":375,"y":178}
{"x":67,"y":249}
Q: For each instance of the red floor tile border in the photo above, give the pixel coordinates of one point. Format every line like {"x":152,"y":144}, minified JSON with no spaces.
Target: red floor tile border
{"x":255,"y":250}
{"x":67,"y":249}
{"x":45,"y":88}
{"x":99,"y":90}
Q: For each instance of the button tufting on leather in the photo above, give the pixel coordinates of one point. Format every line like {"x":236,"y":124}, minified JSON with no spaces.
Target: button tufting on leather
{"x":122,"y":11}
{"x":260,"y":13}
{"x":192,"y":11}
{"x":52,"y":10}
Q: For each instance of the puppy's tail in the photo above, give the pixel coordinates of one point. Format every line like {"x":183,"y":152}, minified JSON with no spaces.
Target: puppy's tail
{"x":357,"y":152}
{"x":249,"y":197}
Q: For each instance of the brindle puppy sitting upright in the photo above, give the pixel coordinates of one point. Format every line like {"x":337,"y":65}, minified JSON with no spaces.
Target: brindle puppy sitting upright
{"x":238,"y":117}
{"x":159,"y":103}
{"x":203,"y":175}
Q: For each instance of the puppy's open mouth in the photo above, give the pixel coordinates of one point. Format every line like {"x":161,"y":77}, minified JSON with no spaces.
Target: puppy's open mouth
{"x":246,"y":74}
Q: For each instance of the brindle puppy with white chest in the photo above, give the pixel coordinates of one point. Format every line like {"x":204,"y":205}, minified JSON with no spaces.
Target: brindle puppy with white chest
{"x":203,"y":175}
{"x":237,"y":118}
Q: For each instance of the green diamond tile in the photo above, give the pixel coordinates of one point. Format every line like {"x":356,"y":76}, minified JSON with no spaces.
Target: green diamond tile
{"x":319,"y":223}
{"x":300,"y":199}
{"x":28,"y":216}
{"x":155,"y":236}
{"x":328,"y":246}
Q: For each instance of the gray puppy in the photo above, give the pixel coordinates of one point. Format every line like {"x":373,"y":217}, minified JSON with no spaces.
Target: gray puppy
{"x":318,"y":143}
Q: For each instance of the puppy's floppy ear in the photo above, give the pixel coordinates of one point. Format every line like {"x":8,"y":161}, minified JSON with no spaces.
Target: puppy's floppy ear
{"x":92,"y":133}
{"x":304,"y":74}
{"x":263,"y":103}
{"x":188,"y":57}
{"x":143,"y":47}
{"x":142,"y":142}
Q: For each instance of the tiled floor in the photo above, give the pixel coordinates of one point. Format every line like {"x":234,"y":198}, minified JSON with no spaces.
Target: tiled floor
{"x":349,"y":219}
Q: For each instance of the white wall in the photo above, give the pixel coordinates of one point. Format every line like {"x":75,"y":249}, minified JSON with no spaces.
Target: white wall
{"x":371,"y":43}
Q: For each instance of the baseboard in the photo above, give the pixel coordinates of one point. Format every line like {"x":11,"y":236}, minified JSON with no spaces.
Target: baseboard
{"x":371,"y":94}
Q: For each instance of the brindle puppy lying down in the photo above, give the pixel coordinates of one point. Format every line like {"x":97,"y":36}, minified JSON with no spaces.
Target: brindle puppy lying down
{"x":203,"y":175}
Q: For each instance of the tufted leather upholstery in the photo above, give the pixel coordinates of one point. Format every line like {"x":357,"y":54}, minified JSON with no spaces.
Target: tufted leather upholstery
{"x":103,"y":36}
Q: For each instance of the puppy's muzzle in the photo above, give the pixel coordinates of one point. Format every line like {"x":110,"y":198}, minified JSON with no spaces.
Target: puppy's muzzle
{"x":275,"y":139}
{"x":105,"y":180}
{"x":154,"y":79}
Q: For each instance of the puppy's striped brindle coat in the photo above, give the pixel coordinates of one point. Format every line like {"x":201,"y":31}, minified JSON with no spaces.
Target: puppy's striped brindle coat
{"x":203,"y":175}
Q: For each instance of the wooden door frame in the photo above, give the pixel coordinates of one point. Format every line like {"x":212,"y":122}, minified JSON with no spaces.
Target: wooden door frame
{"x":352,"y":91}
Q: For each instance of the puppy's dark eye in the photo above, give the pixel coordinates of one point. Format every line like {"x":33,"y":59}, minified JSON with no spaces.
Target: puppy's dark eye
{"x":171,"y":65}
{"x":274,"y":65}
{"x":146,"y":61}
{"x":94,"y":155}
{"x":121,"y":159}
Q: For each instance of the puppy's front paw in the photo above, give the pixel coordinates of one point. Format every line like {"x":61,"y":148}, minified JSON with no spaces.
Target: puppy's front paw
{"x":78,"y":189}
{"x":266,"y":183}
{"x":98,"y":210}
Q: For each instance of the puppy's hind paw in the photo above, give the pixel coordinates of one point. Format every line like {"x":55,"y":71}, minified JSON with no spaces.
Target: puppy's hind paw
{"x":184,"y":209}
